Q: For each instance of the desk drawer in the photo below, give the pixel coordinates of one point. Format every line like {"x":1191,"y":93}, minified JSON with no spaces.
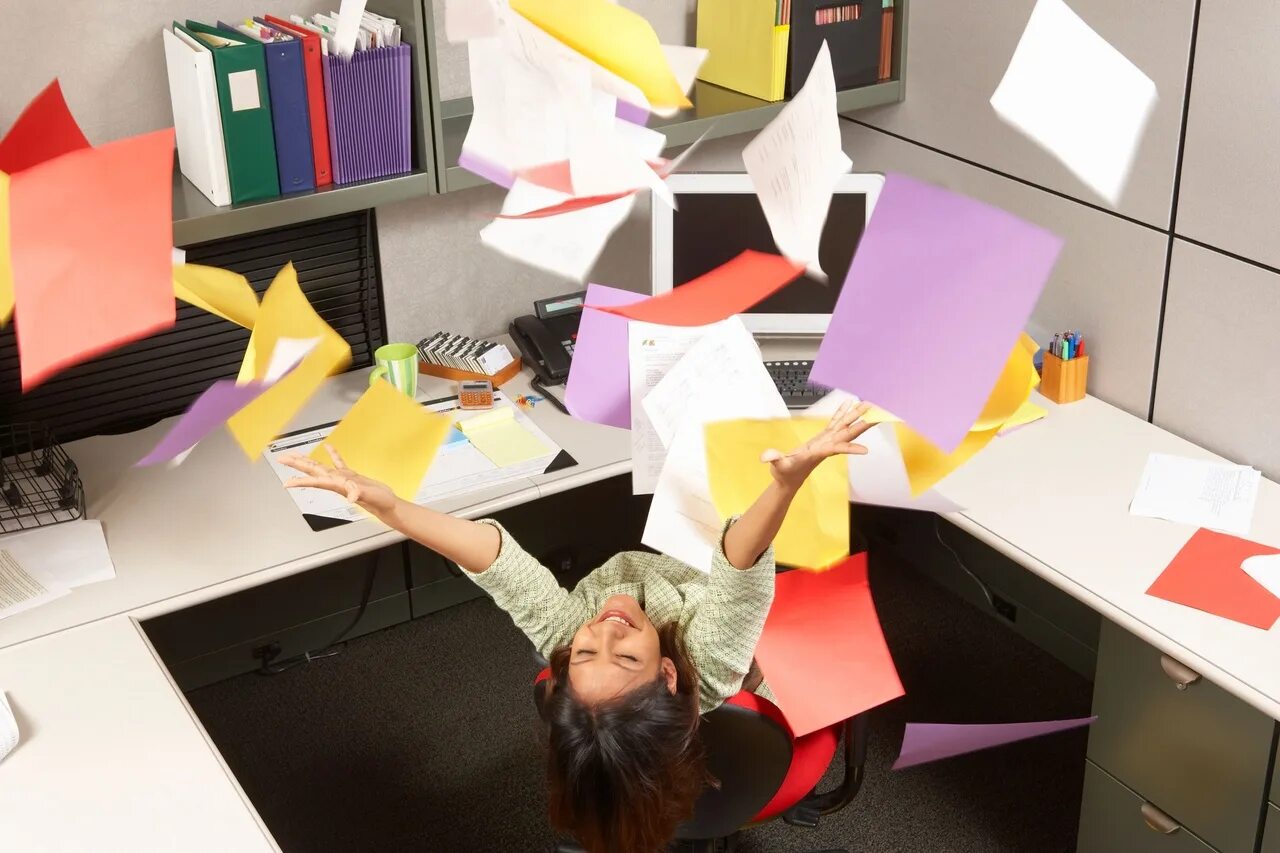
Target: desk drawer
{"x":1271,"y":833}
{"x":1199,"y":753}
{"x":1112,"y":820}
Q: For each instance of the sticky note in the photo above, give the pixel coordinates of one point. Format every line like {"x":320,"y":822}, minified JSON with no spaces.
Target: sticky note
{"x":91,"y":234}
{"x":1207,"y":574}
{"x":284,"y":313}
{"x":729,"y":289}
{"x":815,"y":532}
{"x":221,"y":292}
{"x":503,"y":439}
{"x":926,"y":742}
{"x":599,"y":389}
{"x":45,"y":129}
{"x":614,"y":37}
{"x":822,"y":650}
{"x":388,"y":437}
{"x":939,"y":290}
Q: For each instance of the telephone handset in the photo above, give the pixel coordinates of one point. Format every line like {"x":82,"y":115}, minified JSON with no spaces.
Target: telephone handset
{"x":547,"y":337}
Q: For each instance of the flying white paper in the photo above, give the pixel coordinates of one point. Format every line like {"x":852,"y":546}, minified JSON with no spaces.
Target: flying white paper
{"x":465,"y":20}
{"x":1077,"y":96}
{"x":795,"y":163}
{"x":652,"y":351}
{"x":8,"y":727}
{"x":1216,"y":495}
{"x":1265,"y":569}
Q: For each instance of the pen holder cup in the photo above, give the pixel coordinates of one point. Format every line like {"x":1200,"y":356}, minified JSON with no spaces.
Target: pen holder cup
{"x":1064,"y":381}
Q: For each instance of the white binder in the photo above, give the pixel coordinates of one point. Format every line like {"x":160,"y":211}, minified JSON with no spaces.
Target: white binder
{"x":197,"y":121}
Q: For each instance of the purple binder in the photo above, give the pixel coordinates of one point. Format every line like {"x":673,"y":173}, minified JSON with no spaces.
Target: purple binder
{"x":367,"y":97}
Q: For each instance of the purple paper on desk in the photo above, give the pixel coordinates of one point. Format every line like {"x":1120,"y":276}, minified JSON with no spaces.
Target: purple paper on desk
{"x":599,"y":389}
{"x":211,"y":409}
{"x":926,"y":742}
{"x":937,"y":294}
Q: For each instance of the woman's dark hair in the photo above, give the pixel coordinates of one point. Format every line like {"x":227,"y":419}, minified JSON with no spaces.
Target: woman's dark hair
{"x":624,"y":773}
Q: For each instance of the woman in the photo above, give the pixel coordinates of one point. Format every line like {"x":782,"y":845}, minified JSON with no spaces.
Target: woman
{"x":640,"y":648}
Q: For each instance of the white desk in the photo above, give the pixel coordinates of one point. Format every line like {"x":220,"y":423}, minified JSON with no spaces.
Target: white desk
{"x":1053,"y":496}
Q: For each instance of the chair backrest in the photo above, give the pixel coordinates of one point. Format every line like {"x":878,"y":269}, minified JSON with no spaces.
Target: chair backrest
{"x":747,"y":752}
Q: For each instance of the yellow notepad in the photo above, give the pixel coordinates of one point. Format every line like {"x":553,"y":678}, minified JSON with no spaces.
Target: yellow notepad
{"x":503,"y":439}
{"x":748,"y":52}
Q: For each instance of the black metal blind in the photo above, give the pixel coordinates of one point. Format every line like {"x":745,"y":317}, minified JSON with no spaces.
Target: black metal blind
{"x":159,"y":376}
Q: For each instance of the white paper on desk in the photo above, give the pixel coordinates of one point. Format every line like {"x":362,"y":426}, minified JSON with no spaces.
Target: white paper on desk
{"x":23,"y":587}
{"x":652,"y":351}
{"x":880,"y":477}
{"x":73,"y":553}
{"x":567,"y":244}
{"x":8,"y":727}
{"x":1200,"y":492}
{"x":1077,"y":96}
{"x":795,"y":163}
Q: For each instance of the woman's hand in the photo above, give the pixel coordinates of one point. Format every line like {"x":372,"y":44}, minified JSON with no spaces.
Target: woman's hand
{"x":370,"y":495}
{"x":791,"y":469}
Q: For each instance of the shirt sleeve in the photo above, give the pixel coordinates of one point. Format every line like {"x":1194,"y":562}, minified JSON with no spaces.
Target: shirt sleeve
{"x":722,"y":634}
{"x":546,"y":613}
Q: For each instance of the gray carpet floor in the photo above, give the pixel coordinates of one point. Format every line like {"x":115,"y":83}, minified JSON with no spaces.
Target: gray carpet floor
{"x":423,"y":737}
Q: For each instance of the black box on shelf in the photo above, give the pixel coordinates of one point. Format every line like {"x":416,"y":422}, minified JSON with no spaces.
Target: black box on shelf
{"x":852,"y":31}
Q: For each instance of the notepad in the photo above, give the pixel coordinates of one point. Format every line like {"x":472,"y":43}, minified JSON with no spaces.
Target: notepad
{"x":502,"y":439}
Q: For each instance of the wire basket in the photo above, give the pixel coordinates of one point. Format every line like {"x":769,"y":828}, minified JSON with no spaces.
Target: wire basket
{"x":39,"y":484}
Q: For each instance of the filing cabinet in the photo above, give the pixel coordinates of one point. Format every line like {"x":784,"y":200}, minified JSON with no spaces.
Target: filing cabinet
{"x":1182,"y":744}
{"x":1115,"y":819}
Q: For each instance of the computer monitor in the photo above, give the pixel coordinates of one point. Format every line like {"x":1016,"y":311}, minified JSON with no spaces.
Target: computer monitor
{"x":719,"y":216}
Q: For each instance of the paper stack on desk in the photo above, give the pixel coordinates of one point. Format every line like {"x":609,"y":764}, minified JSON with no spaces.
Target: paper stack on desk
{"x":1199,"y":492}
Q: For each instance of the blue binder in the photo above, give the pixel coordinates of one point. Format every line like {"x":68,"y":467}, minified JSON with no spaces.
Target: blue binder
{"x":291,"y":121}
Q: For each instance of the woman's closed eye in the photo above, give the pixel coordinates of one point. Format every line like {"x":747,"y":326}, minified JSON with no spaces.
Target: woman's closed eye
{"x":630,"y":658}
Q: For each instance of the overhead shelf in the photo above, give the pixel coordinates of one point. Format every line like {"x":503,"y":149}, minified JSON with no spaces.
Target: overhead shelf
{"x":196,"y":219}
{"x":716,"y":112}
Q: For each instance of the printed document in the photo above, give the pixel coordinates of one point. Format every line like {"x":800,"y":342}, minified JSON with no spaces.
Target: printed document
{"x":24,"y":587}
{"x":1214,"y":495}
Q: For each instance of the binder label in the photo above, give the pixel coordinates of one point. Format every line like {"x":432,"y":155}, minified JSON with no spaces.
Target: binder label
{"x":244,"y":90}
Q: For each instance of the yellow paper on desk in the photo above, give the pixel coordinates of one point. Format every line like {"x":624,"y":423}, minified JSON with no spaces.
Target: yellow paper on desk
{"x":223,"y":293}
{"x":6,"y":263}
{"x":388,"y":437}
{"x":747,"y":52}
{"x":285,"y":313}
{"x":815,"y":533}
{"x":613,"y":37}
{"x":501,"y":438}
{"x":926,"y":465}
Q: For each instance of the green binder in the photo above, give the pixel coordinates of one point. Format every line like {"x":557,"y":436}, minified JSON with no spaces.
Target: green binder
{"x":240,"y":67}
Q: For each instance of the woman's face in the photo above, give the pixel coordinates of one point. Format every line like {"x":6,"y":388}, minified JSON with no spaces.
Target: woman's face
{"x":615,"y":651}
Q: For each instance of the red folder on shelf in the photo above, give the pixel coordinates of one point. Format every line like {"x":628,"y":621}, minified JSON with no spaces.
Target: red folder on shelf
{"x":315,"y":97}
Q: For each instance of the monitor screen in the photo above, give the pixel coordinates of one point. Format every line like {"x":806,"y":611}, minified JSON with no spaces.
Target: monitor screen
{"x":711,"y":228}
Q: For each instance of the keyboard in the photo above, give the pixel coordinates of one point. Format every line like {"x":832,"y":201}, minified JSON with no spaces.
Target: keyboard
{"x":792,"y":380}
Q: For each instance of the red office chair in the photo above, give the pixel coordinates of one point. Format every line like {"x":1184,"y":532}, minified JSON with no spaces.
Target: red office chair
{"x":765,"y":772}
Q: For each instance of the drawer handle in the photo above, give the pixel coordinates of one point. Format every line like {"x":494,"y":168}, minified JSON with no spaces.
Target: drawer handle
{"x":1158,"y":821}
{"x":1180,"y":674}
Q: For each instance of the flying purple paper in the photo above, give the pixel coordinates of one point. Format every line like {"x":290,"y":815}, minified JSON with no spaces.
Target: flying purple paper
{"x":211,"y":410}
{"x":630,"y":112}
{"x":937,"y":294}
{"x":484,"y":169}
{"x":925,"y":742}
{"x":599,"y":389}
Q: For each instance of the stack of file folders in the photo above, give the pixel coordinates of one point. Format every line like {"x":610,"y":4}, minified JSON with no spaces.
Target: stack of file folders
{"x":266,"y":106}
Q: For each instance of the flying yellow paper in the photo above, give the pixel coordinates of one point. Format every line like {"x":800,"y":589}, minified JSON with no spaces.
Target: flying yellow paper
{"x":388,"y":437}
{"x":221,"y":292}
{"x":815,"y":533}
{"x":6,"y":263}
{"x":285,"y":313}
{"x":500,"y":437}
{"x":613,"y":37}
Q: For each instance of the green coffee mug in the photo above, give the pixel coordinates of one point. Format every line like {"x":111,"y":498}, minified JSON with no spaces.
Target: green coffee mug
{"x":398,"y":364}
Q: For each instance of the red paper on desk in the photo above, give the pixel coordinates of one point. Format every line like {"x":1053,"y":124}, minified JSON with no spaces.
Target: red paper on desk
{"x":822,"y":651}
{"x":91,"y":242}
{"x":729,"y":289}
{"x":45,"y":129}
{"x":1206,"y":575}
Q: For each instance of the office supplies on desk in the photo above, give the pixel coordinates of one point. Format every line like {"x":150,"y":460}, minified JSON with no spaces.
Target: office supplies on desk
{"x":388,"y":437}
{"x":39,"y":483}
{"x":547,"y":338}
{"x":317,"y":112}
{"x":478,"y":394}
{"x":1207,"y":574}
{"x":981,"y":273}
{"x":197,"y":121}
{"x":454,"y":356}
{"x":822,"y":650}
{"x":748,"y":42}
{"x":503,"y":439}
{"x":8,"y":727}
{"x":240,"y":69}
{"x":1199,"y":492}
{"x":598,"y":387}
{"x":926,"y":742}
{"x":290,"y":121}
{"x":1077,"y":97}
{"x":221,"y":292}
{"x":398,"y":365}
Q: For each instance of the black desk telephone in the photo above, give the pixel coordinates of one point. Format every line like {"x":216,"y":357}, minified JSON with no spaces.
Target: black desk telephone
{"x":546,"y":339}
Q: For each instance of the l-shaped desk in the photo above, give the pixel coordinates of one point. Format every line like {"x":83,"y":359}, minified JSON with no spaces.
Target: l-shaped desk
{"x":113,"y":758}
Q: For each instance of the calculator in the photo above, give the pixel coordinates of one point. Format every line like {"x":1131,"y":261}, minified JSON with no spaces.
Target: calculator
{"x":475,"y":394}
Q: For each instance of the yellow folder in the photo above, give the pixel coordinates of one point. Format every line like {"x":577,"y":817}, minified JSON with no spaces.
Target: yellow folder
{"x":748,"y":52}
